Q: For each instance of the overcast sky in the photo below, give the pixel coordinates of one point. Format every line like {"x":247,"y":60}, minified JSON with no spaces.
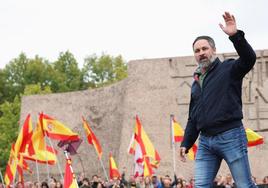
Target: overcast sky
{"x":136,"y":29}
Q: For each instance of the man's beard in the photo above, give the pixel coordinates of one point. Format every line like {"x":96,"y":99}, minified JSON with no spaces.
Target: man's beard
{"x":204,"y":64}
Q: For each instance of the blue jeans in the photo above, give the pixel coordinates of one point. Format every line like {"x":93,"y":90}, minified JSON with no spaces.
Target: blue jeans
{"x":231,"y":146}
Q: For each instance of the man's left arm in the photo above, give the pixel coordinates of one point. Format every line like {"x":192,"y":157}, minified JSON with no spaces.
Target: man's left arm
{"x":247,"y":56}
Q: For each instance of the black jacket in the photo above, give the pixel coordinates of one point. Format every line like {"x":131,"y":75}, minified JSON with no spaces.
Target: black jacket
{"x":217,"y":107}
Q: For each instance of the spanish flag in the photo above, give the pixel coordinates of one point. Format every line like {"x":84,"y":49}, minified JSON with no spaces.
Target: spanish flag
{"x":146,"y":145}
{"x":192,"y":152}
{"x":10,"y":168}
{"x":39,"y":151}
{"x":143,"y":164}
{"x":132,"y":145}
{"x":55,"y":129}
{"x":92,"y":139}
{"x":178,"y":134}
{"x":253,"y":138}
{"x":24,"y":136}
{"x":43,"y":156}
{"x":178,"y":131}
{"x":148,"y":170}
{"x":69,"y":177}
{"x":37,"y":140}
{"x":23,"y":164}
{"x":114,"y":173}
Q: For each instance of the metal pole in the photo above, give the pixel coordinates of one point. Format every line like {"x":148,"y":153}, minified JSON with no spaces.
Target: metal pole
{"x":173,"y":143}
{"x":105,"y":173}
{"x":37,"y":171}
{"x":2,"y":178}
{"x":46,"y":159}
{"x":58,"y":162}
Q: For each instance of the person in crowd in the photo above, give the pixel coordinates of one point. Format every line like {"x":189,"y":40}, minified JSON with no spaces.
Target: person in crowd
{"x":265,"y":180}
{"x":2,"y":185}
{"x":156,"y":182}
{"x":80,"y":179}
{"x":179,"y":183}
{"x":36,"y":184}
{"x":94,"y":181}
{"x":131,"y":183}
{"x":147,"y":183}
{"x":191,"y":183}
{"x":85,"y":183}
{"x":58,"y":184}
{"x":166,"y":182}
{"x":44,"y":184}
{"x":52,"y":182}
{"x":28,"y":184}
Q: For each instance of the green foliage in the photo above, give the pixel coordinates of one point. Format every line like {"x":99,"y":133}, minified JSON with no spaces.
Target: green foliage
{"x":9,"y":124}
{"x":38,"y":70}
{"x":104,"y":70}
{"x":34,"y":89}
{"x":2,"y":87}
{"x":14,"y":74}
{"x":22,"y":71}
{"x":67,"y":76}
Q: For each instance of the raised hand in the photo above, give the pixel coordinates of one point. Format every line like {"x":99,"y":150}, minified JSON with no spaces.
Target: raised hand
{"x":230,"y":24}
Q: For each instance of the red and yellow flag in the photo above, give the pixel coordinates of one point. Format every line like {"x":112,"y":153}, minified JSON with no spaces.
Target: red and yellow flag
{"x":23,"y":164}
{"x":92,"y":139}
{"x":178,"y":134}
{"x":143,"y":165}
{"x":24,"y":136}
{"x":47,"y":155}
{"x":178,"y":131}
{"x":69,"y":177}
{"x":55,"y":129}
{"x":132,"y":145}
{"x":254,"y":138}
{"x":114,"y":173}
{"x":10,"y":168}
{"x":39,"y":151}
{"x":146,"y":145}
{"x":148,"y":170}
{"x":192,"y":152}
{"x":146,"y":157}
{"x":37,"y":140}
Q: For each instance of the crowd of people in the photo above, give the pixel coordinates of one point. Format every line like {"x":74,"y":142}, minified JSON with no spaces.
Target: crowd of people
{"x":136,"y":182}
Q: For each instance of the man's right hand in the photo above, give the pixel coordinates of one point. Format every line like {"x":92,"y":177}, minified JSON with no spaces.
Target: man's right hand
{"x":182,"y":154}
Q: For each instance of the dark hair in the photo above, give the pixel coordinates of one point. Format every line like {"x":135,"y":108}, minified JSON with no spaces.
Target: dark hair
{"x":207,"y":38}
{"x":44,"y":184}
{"x":95,"y":175}
{"x":86,"y":179}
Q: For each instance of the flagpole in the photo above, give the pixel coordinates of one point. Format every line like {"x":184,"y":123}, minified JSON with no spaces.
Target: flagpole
{"x":37,"y":171}
{"x":71,"y":168}
{"x":2,"y":178}
{"x":58,"y":162}
{"x":105,"y":173}
{"x":173,"y":143}
{"x":46,"y":159}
